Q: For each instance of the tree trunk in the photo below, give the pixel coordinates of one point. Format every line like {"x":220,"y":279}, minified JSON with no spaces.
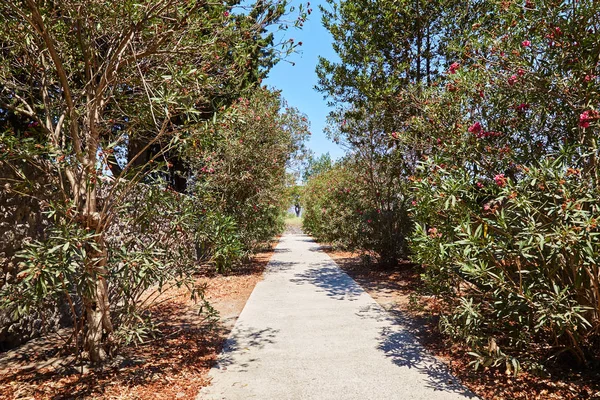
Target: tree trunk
{"x":99,"y":326}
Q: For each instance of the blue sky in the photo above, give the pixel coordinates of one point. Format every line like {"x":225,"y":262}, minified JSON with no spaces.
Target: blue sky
{"x":297,"y":81}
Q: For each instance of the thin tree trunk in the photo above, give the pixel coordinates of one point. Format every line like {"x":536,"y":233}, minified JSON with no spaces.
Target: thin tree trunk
{"x":99,"y":325}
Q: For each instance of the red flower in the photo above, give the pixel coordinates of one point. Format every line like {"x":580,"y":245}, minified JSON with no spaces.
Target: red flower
{"x":522,"y":107}
{"x":526,"y":43}
{"x":453,"y":68}
{"x":512,"y":80}
{"x":475,"y":128}
{"x":588,"y":116}
{"x":500,"y":180}
{"x":520,"y":72}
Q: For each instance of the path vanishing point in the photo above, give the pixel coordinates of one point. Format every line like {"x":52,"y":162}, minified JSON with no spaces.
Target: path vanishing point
{"x":309,"y":331}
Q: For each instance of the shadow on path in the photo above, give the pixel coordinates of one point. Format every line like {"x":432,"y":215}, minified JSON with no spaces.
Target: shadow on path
{"x":399,"y":344}
{"x":331,"y":280}
{"x":242,"y":340}
{"x":276,"y":266}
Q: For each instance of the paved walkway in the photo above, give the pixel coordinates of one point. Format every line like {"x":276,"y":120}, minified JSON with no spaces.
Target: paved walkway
{"x":309,"y":331}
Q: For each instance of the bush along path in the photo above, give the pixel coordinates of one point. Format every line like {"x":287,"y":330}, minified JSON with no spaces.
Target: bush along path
{"x":309,"y":331}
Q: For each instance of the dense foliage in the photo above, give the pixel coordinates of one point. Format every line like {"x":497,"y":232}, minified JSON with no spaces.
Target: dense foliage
{"x":113,"y":108}
{"x":242,"y":164}
{"x":494,"y":126}
{"x":352,"y":207}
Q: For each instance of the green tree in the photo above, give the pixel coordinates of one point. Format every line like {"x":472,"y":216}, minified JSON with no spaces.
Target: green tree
{"x":316,"y":165}
{"x":241,"y":161}
{"x":118,"y":85}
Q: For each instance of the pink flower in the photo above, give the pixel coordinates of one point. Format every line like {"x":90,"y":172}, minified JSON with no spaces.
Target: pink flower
{"x":588,"y":116}
{"x":414,"y":203}
{"x":453,"y":68}
{"x":520,"y":72}
{"x":395,"y":135}
{"x":500,"y":180}
{"x":486,"y":207}
{"x":479,"y":185}
{"x":226,"y":14}
{"x":433,"y":233}
{"x":475,"y":128}
{"x":512,"y":80}
{"x":526,"y":43}
{"x":369,"y":221}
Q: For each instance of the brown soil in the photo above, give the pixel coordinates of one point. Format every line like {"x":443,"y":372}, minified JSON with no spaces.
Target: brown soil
{"x":396,"y":290}
{"x":172,"y":365}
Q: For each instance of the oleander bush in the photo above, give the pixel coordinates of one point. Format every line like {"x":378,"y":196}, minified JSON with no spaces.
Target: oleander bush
{"x":490,"y":110}
{"x":345,"y":206}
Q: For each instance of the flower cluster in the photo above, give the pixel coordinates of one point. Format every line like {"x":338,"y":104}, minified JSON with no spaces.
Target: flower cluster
{"x":588,"y":116}
{"x":478,"y":131}
{"x":454,"y":67}
{"x":500,"y":180}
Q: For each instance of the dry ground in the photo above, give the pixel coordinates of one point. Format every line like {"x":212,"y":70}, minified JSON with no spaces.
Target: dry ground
{"x":396,"y":289}
{"x":173,"y":365}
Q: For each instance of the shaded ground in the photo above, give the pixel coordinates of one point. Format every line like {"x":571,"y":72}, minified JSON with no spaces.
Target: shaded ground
{"x":174,"y":365}
{"x":395,"y":289}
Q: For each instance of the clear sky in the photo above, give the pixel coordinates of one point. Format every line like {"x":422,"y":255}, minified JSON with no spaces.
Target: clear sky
{"x":297,"y":81}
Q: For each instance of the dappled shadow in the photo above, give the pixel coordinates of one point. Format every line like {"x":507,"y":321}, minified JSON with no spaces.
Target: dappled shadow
{"x":282,"y":250}
{"x":405,"y":351}
{"x":331,"y":280}
{"x":193,"y":345}
{"x":399,"y":344}
{"x":242,"y":340}
{"x":276,"y":266}
{"x":293,"y":230}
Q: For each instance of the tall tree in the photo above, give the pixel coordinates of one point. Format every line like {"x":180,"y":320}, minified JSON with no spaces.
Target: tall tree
{"x":103,"y":84}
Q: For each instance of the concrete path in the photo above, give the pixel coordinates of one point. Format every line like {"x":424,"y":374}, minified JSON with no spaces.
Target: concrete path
{"x":309,"y":331}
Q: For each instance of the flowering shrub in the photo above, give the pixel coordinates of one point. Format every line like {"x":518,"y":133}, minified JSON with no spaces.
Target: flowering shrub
{"x":524,"y":252}
{"x":491,"y":109}
{"x":506,"y":205}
